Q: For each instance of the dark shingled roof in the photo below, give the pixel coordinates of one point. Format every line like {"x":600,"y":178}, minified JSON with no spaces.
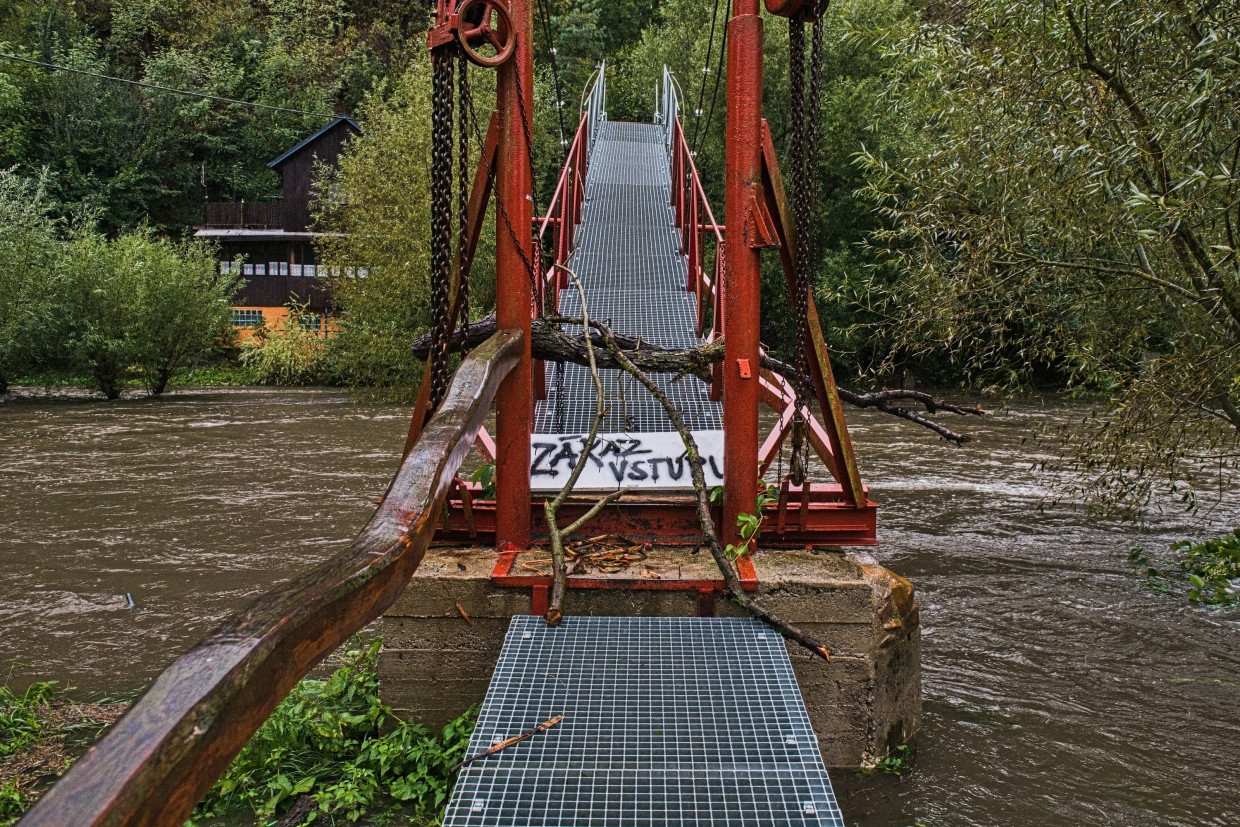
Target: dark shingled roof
{"x":352,"y":124}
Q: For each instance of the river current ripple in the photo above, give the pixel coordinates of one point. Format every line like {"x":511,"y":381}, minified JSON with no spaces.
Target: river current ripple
{"x":1058,"y":690}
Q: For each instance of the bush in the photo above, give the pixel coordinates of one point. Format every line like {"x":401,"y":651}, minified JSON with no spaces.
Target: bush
{"x":142,"y":308}
{"x":287,"y":354}
{"x":1210,"y":570}
{"x":337,"y":742}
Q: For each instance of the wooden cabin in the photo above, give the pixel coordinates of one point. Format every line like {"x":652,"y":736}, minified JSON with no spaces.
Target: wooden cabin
{"x":272,"y":242}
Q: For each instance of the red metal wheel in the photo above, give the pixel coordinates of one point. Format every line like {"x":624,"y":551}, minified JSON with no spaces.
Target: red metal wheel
{"x":485,"y":32}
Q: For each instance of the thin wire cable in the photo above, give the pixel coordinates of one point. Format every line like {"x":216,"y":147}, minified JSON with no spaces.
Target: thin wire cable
{"x":710,"y":44}
{"x":160,"y":88}
{"x":723,"y":50}
{"x":555,"y":78}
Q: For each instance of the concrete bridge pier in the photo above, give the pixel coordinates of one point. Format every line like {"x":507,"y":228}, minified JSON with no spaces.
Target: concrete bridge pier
{"x":442,"y":637}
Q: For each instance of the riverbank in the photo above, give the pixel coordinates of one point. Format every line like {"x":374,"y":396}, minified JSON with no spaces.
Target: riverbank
{"x":332,"y":747}
{"x":75,"y":386}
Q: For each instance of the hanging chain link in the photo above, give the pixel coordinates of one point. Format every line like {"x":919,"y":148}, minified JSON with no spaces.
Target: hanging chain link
{"x":441,"y":220}
{"x":540,"y":300}
{"x":464,"y":105}
{"x":805,"y":140}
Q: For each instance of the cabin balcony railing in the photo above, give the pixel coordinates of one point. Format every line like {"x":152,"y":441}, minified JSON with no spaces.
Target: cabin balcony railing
{"x":250,"y":215}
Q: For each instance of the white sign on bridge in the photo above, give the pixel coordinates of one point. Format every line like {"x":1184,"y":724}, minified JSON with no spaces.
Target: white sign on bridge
{"x":652,"y":460}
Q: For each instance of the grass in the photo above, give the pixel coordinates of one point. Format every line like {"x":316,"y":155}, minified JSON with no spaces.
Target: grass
{"x":1207,"y":572}
{"x":332,"y":749}
{"x":41,"y":733}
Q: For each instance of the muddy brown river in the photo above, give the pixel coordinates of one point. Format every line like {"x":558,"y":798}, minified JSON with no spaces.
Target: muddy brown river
{"x":1058,"y":690}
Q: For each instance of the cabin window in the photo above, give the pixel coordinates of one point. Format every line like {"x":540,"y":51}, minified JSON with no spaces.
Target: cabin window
{"x":247,"y":318}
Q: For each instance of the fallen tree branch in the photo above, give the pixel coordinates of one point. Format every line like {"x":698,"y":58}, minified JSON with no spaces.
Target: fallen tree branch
{"x":551,"y":507}
{"x":731,"y":580}
{"x":549,"y":343}
{"x":508,"y":742}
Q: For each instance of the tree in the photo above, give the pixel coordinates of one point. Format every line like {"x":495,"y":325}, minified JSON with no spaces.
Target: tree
{"x":1072,"y":211}
{"x":30,"y":281}
{"x":182,"y":306}
{"x":380,"y":220}
{"x":100,"y":334}
{"x":142,"y":307}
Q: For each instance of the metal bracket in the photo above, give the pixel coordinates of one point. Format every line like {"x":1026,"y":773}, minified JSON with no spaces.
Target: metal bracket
{"x":760,"y":230}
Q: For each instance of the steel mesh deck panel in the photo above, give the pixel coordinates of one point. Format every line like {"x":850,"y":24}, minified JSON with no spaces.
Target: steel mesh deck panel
{"x":667,"y":721}
{"x":628,"y":258}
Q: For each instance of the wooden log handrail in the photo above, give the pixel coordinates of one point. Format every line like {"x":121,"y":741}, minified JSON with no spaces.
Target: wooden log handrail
{"x":155,"y":763}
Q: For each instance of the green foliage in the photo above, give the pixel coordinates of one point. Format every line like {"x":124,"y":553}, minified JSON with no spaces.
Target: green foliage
{"x":898,"y":762}
{"x":336,"y":741}
{"x":287,"y":354}
{"x":21,"y":716}
{"x":1068,"y":213}
{"x":750,"y":525}
{"x":382,"y":219}
{"x":182,"y":304}
{"x":1208,"y":572}
{"x":30,"y":282}
{"x":140,"y":156}
{"x":12,"y":802}
{"x":140,"y":307}
{"x":485,"y":476}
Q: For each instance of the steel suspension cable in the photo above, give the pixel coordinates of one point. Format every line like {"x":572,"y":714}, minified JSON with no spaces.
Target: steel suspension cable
{"x":802,"y":209}
{"x":464,"y":105}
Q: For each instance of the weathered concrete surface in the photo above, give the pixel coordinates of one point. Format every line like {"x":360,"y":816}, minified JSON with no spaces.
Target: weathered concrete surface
{"x":436,"y":663}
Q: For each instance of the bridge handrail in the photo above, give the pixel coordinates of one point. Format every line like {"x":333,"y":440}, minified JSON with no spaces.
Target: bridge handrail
{"x":689,"y":201}
{"x":155,"y":763}
{"x":564,"y":211}
{"x":594,"y":101}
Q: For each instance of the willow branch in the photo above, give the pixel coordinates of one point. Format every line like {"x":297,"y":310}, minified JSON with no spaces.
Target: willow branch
{"x":553,"y":345}
{"x":706,"y":521}
{"x":551,"y":507}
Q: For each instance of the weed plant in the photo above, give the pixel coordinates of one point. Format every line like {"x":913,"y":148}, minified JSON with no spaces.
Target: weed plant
{"x":1208,"y":572}
{"x":21,"y":716}
{"x":337,"y":742}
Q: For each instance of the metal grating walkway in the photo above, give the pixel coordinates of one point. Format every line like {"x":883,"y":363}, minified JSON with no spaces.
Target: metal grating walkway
{"x":629,"y":261}
{"x":667,"y":721}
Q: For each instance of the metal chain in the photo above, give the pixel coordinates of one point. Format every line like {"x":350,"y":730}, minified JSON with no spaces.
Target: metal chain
{"x":540,"y":300}
{"x":464,"y":99}
{"x":802,"y":213}
{"x":441,"y":220}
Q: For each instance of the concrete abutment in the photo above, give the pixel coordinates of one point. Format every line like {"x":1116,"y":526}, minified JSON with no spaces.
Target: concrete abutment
{"x":443,"y":635}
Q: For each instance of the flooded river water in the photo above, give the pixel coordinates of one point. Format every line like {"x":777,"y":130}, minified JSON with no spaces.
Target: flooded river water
{"x":1058,"y":690}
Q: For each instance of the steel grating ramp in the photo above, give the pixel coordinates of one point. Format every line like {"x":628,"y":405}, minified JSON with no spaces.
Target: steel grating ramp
{"x":667,"y":721}
{"x":630,"y":264}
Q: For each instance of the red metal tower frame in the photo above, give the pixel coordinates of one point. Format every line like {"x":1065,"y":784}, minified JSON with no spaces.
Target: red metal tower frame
{"x":757,"y":218}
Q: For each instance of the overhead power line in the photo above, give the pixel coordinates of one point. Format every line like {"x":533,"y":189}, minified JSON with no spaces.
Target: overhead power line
{"x":160,"y":88}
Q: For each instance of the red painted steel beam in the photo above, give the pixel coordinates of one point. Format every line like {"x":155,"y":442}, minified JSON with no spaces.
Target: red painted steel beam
{"x":742,"y":277}
{"x":514,"y":410}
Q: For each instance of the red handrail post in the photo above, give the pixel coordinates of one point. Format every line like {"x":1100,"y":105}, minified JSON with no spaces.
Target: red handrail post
{"x":741,"y":288}
{"x":514,"y":409}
